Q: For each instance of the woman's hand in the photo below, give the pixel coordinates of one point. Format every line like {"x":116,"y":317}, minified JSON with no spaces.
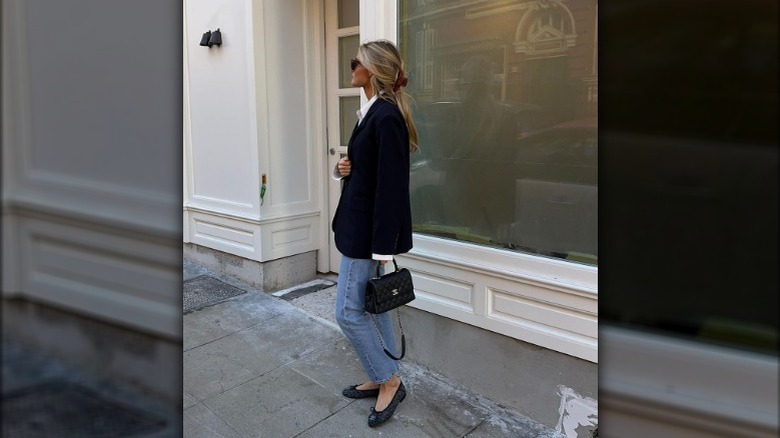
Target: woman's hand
{"x":344,"y":166}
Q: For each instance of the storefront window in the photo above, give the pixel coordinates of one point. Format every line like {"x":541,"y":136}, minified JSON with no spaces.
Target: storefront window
{"x":505,"y":103}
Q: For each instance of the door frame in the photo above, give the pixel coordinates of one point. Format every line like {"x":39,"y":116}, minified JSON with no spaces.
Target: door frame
{"x":334,"y":150}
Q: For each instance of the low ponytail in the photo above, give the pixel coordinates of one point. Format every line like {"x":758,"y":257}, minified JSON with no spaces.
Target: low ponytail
{"x":388,"y":79}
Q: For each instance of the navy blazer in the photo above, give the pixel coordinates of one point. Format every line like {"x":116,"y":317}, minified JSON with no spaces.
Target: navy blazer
{"x":374,"y":214}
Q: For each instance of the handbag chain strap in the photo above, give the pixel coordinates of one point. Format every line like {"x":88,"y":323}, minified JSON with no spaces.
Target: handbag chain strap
{"x":403,"y":338}
{"x":398,"y":313}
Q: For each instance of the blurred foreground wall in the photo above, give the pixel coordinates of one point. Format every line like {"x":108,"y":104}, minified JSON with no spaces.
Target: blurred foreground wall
{"x":91,"y":173}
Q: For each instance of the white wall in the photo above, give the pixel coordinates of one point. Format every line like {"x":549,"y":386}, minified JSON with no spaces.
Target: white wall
{"x":264,"y":85}
{"x":224,"y":161}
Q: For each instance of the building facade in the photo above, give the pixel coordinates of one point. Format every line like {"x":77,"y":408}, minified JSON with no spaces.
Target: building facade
{"x":503,"y":189}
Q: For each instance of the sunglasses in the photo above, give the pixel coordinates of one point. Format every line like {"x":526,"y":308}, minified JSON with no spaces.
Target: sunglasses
{"x":354,"y":63}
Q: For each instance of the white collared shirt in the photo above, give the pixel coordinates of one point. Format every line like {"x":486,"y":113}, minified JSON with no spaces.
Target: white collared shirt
{"x":364,"y":109}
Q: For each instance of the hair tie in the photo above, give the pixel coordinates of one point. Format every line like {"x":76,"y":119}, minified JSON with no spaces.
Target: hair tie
{"x":400,"y":82}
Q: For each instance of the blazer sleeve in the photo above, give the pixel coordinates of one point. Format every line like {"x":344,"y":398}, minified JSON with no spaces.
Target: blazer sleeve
{"x":392,"y":185}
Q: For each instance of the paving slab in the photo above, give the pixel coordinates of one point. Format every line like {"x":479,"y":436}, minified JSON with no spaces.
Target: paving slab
{"x":321,"y":303}
{"x":217,"y":321}
{"x":199,"y":330}
{"x":433,"y":412}
{"x":282,"y":403}
{"x":225,"y":363}
{"x":189,"y":400}
{"x":352,"y":421}
{"x":200,"y":422}
{"x":244,"y":311}
{"x":222,"y":364}
{"x":334,"y":366}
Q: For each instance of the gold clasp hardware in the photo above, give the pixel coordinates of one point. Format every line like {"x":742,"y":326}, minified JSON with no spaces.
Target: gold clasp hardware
{"x":395,"y":291}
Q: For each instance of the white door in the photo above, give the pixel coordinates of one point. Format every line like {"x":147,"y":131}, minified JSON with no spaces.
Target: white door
{"x":342,"y":38}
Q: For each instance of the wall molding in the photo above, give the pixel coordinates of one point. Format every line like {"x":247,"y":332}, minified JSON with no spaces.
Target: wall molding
{"x":108,"y":273}
{"x":679,"y":387}
{"x":95,"y":201}
{"x":547,"y":302}
{"x":256,"y":239}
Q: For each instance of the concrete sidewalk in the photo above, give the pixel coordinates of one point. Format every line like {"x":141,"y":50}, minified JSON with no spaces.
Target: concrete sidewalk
{"x":258,"y":365}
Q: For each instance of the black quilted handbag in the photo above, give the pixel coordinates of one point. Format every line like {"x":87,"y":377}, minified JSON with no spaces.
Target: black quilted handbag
{"x":388,"y":292}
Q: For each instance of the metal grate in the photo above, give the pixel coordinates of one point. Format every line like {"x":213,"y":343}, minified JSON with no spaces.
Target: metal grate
{"x":64,"y":409}
{"x":206,"y":291}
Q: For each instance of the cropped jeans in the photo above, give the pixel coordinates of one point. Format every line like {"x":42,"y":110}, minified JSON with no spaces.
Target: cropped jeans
{"x":363,"y":329}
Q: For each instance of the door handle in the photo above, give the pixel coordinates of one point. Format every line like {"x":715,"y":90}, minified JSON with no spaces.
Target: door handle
{"x":332,"y":151}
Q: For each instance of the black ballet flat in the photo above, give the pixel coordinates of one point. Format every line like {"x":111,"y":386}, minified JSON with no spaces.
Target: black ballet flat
{"x":377,"y":418}
{"x":353,"y":392}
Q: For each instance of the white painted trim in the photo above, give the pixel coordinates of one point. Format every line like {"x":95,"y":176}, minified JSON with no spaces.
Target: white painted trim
{"x":256,"y":149}
{"x":11,"y":281}
{"x":333,"y":93}
{"x":378,"y":20}
{"x":668,"y":382}
{"x":577,"y":278}
{"x":15,"y":131}
{"x":15,"y":95}
{"x":317,"y":121}
{"x":539,"y":304}
{"x":187,"y":172}
{"x":260,"y":240}
{"x":128,"y":279}
{"x":93,"y":201}
{"x":259,"y":80}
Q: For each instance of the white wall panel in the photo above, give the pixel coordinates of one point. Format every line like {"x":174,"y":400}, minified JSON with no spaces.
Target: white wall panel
{"x":289,"y":164}
{"x":73,"y":82}
{"x":108,"y":275}
{"x":264,"y":240}
{"x":445,"y":291}
{"x":546,"y":302}
{"x":222,"y":126}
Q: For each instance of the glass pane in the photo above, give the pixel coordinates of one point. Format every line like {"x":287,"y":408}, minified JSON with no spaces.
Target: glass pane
{"x":349,"y":13}
{"x":692,"y":175}
{"x":348,"y":47}
{"x":348,"y":107}
{"x":506,"y":113}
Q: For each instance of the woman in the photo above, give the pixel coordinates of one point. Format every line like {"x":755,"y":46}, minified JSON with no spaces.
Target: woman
{"x":373,"y":220}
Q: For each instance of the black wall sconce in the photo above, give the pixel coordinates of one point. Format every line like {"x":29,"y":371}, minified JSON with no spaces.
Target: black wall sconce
{"x":211,"y":39}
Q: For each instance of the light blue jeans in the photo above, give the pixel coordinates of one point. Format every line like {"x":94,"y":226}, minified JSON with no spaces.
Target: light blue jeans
{"x":360,"y":327}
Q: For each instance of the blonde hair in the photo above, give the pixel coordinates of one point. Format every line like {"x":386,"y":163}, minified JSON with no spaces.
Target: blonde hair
{"x":383,"y":60}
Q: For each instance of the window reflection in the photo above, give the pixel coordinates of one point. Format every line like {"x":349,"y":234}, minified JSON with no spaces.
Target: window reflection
{"x":506,"y":101}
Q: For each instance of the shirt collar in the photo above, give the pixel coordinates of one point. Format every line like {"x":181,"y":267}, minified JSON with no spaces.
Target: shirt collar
{"x":364,"y":109}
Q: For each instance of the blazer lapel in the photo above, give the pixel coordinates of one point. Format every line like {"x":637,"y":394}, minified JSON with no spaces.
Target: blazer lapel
{"x":360,"y":125}
{"x":372,"y":110}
